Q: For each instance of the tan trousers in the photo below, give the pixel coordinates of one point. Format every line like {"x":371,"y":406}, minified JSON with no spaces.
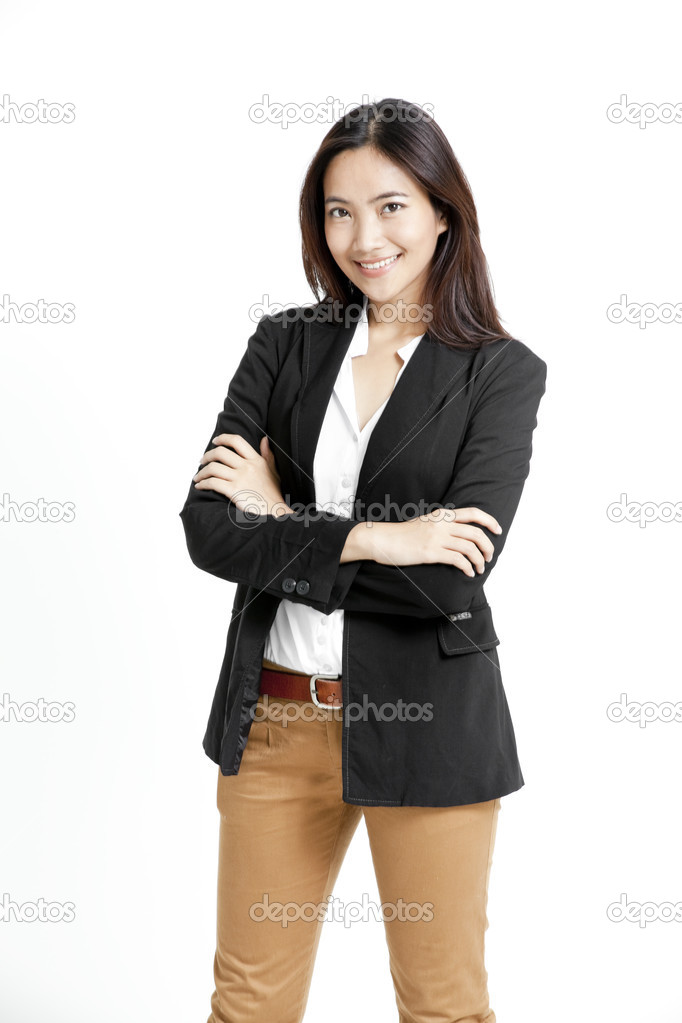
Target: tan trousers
{"x":284,"y":832}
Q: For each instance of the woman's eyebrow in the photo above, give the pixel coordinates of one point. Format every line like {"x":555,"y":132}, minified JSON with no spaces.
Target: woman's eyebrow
{"x":384,"y":195}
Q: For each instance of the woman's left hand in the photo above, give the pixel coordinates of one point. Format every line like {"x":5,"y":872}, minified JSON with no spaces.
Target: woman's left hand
{"x":238,"y":471}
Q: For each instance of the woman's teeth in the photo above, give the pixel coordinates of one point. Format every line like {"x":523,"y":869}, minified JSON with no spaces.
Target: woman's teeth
{"x":376,"y":266}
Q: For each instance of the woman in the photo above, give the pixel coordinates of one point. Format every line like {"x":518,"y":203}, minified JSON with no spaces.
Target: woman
{"x":359,"y":487}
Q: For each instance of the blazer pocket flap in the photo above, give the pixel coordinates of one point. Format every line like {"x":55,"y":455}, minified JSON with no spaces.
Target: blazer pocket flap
{"x":464,"y":632}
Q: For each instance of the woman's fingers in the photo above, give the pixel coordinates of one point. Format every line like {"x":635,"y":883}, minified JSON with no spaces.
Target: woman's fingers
{"x":229,"y":456}
{"x":235,"y":468}
{"x":463,"y":563}
{"x":224,"y":456}
{"x":220,"y":485}
{"x":236,"y":441}
{"x":476,"y":515}
{"x":476,"y":537}
{"x":216,"y":469}
{"x":469,"y":550}
{"x":469,"y":542}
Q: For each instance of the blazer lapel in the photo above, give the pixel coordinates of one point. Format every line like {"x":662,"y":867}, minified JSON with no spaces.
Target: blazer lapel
{"x":429,"y":374}
{"x":324,"y":348}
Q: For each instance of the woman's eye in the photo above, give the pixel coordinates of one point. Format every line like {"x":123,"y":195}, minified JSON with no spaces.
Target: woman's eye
{"x":339,"y":209}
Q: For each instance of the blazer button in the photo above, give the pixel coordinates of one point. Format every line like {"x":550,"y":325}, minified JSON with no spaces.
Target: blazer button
{"x":302,"y":586}
{"x":289,"y":585}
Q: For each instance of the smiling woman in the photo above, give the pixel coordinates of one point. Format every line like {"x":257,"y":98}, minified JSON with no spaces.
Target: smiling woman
{"x":398,"y":420}
{"x":385,"y":184}
{"x":372,"y":239}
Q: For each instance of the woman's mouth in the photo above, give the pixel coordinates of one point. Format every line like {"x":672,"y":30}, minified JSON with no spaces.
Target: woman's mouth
{"x":378,"y":267}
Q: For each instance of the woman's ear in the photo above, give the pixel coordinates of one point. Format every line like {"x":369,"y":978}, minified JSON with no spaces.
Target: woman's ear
{"x":443,"y":222}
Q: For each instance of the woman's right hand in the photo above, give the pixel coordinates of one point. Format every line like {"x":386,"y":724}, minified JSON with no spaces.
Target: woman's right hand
{"x":444,"y":536}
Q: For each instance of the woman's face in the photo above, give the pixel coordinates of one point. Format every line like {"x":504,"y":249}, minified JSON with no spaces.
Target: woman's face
{"x":373,"y":211}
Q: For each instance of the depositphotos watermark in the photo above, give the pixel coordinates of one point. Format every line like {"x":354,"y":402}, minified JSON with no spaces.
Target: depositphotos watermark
{"x":283,"y":713}
{"x":644,"y":313}
{"x":246,"y":510}
{"x":644,"y":913}
{"x":332,"y":109}
{"x":39,"y":911}
{"x":643,"y":713}
{"x":39,"y":111}
{"x":341,"y":912}
{"x":36,"y":511}
{"x":36,"y":312}
{"x":36,"y":710}
{"x":643,"y":114}
{"x":341,"y":314}
{"x":650,"y":511}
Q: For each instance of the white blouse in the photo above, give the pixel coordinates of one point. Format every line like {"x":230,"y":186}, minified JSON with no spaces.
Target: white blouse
{"x":301,"y":637}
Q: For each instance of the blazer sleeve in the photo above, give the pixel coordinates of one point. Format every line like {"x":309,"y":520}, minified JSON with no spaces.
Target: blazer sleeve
{"x":262,"y":551}
{"x":489,"y":473}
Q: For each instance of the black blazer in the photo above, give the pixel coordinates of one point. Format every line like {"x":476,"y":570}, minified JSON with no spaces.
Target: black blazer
{"x":457,"y":429}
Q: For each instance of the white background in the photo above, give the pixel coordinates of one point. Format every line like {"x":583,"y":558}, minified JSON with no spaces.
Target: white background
{"x":164,"y":213}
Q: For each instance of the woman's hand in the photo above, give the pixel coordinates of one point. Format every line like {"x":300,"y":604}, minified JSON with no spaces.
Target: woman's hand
{"x":442,"y":536}
{"x":238,"y":471}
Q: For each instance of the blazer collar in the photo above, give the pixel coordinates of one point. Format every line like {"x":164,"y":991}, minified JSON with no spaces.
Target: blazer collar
{"x":431,"y":371}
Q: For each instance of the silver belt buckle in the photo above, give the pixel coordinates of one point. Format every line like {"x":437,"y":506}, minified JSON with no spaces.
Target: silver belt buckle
{"x":313,"y":691}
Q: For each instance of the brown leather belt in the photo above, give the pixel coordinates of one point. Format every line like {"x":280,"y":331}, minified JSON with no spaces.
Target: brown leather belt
{"x":323,"y":690}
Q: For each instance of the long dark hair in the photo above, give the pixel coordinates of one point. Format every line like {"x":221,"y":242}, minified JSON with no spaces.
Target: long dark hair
{"x":458,"y":291}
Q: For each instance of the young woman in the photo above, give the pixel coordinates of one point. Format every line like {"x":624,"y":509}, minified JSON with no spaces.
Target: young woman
{"x":359,"y":487}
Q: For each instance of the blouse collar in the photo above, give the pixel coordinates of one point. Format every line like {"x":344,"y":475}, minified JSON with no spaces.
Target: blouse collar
{"x":360,"y":341}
